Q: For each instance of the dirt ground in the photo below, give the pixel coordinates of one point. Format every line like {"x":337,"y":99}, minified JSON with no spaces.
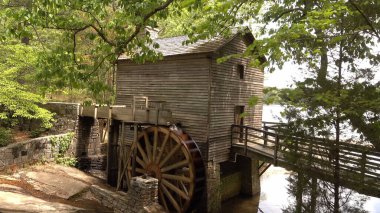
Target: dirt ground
{"x":49,"y":188}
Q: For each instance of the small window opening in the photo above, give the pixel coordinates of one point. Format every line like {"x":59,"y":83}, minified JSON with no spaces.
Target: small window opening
{"x":240,"y":70}
{"x":239,"y":120}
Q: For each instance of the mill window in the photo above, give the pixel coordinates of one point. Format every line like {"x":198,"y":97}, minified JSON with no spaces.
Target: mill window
{"x":240,"y":70}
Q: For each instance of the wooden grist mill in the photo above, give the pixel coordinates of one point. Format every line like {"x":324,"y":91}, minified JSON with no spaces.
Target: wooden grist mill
{"x":172,"y":120}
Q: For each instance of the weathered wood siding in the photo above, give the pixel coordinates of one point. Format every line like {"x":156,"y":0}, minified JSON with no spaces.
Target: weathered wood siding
{"x":181,"y":81}
{"x":228,"y":91}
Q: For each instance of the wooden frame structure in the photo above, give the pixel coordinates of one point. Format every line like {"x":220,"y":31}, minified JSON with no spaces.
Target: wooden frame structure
{"x":166,"y":153}
{"x":357,"y":164}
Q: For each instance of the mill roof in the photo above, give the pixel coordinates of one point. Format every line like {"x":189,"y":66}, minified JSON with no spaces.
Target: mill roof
{"x":176,"y":45}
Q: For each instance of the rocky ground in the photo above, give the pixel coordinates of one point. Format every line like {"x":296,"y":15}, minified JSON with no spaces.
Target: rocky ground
{"x":49,"y":188}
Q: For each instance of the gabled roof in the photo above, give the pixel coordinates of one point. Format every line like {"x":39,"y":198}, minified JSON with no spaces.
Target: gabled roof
{"x":176,"y":45}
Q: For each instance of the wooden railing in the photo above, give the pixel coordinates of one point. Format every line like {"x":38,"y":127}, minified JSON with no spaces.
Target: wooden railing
{"x":357,"y":163}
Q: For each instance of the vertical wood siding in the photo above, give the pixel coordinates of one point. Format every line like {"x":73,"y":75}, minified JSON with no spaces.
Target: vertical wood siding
{"x":228,"y":91}
{"x":181,"y":81}
{"x":201,"y":94}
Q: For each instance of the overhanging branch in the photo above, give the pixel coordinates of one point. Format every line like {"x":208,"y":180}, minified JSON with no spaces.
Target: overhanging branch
{"x":369,"y":23}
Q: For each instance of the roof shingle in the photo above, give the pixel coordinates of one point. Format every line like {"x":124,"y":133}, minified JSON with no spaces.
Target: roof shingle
{"x":175,"y":46}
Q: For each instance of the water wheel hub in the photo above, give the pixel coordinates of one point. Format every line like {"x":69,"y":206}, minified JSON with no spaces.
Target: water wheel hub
{"x":154,"y":170}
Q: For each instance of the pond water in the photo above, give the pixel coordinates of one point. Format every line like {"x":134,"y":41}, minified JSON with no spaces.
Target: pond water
{"x":275,"y":197}
{"x":279,"y":186}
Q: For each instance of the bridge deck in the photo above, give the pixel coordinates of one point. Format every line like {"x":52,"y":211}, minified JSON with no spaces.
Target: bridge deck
{"x":359,"y":166}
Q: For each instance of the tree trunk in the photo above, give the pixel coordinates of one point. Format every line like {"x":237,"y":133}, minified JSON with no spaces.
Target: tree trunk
{"x":313,"y":195}
{"x":337,"y":133}
{"x":299,"y":191}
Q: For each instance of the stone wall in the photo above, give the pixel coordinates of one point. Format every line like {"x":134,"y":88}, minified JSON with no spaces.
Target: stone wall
{"x":31,"y":151}
{"x":66,"y":116}
{"x":142,"y":197}
{"x":89,"y":142}
{"x":230,"y":185}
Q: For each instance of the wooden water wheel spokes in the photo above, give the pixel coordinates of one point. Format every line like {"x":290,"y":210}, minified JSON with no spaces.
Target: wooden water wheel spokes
{"x":174,"y":159}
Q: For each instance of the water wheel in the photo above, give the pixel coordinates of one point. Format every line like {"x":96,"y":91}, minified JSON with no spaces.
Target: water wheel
{"x":171,"y":156}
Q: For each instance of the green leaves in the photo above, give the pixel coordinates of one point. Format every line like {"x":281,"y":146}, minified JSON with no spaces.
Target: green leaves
{"x":83,"y":39}
{"x":60,"y":148}
{"x":17,"y":99}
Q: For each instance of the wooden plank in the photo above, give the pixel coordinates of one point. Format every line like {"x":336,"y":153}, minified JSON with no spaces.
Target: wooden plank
{"x":149,"y":116}
{"x":181,"y":82}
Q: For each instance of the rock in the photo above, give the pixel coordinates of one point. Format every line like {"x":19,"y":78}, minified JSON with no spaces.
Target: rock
{"x":71,"y":172}
{"x":8,"y":187}
{"x":15,"y":202}
{"x":154,"y":208}
{"x":54,"y":184}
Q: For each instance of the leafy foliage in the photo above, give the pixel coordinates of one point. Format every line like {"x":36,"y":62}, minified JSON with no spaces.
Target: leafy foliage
{"x":273,"y":95}
{"x":60,"y":147}
{"x":18,"y":99}
{"x":5,"y":136}
{"x":335,"y":41}
{"x":90,"y":36}
{"x":37,"y":132}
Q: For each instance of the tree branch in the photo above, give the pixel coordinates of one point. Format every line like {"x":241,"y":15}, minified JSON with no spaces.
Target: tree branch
{"x":139,"y":26}
{"x":365,"y":18}
{"x":286,"y":12}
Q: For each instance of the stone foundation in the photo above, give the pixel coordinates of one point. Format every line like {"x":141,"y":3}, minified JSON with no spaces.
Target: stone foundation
{"x":214,"y":203}
{"x":230,"y":179}
{"x":142,"y":197}
{"x":250,"y":175}
{"x":88,"y":163}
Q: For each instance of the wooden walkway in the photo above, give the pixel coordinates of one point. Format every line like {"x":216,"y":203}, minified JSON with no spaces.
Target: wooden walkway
{"x":359,"y":166}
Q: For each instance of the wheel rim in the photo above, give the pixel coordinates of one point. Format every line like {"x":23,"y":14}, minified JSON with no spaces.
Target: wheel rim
{"x":175,"y":160}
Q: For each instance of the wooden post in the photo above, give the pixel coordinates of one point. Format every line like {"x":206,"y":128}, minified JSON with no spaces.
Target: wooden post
{"x":362,"y":166}
{"x":276,"y":146}
{"x":310,"y":154}
{"x":246,"y":141}
{"x":265,"y":135}
{"x":135,"y":150}
{"x":109,"y":152}
{"x":112,"y":161}
{"x":122,"y":157}
{"x":232,"y":132}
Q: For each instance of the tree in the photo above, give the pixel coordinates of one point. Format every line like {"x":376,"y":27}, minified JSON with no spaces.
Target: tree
{"x":91,"y":37}
{"x":19,"y":99}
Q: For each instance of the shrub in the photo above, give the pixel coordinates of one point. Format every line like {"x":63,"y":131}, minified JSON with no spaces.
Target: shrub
{"x":5,"y":137}
{"x":37,"y":132}
{"x":60,"y":147}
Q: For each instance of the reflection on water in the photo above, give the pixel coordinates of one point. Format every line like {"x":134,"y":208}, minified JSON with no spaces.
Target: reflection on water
{"x":274,"y":194}
{"x":275,"y":197}
{"x":241,"y":204}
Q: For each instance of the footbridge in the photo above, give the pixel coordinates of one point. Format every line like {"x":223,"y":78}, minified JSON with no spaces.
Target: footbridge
{"x":359,"y":166}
